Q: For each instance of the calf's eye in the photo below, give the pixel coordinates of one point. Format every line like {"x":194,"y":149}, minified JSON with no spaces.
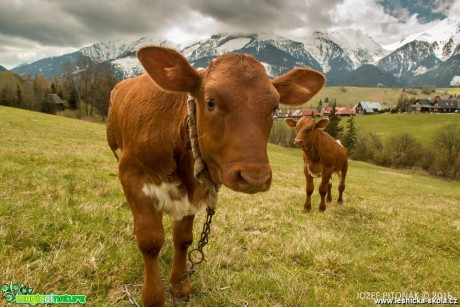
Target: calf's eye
{"x":211,"y":105}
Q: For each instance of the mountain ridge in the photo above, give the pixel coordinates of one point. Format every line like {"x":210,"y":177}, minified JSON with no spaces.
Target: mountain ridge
{"x":337,"y":53}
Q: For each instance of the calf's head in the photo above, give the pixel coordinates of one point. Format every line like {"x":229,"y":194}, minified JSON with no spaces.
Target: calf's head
{"x":235,"y":104}
{"x":306,"y":129}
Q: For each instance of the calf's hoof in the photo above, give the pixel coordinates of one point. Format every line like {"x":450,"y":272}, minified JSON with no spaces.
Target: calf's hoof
{"x":181,"y":292}
{"x":322,"y":208}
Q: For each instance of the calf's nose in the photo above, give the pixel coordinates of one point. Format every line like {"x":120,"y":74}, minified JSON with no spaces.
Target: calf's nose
{"x":251,"y":179}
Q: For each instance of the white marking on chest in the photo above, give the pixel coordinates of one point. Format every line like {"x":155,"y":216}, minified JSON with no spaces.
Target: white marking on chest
{"x":117,"y":153}
{"x":314,"y":175}
{"x":168,"y":199}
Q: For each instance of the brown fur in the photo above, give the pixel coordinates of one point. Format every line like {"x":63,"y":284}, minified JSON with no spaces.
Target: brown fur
{"x":322,"y":157}
{"x":147,"y":123}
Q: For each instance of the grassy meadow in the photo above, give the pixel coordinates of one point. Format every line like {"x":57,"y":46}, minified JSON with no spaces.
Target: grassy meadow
{"x":421,"y":126}
{"x":65,"y":227}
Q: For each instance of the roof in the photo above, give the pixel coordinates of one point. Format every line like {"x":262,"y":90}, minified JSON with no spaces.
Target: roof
{"x":371,"y":105}
{"x":424,"y":102}
{"x":294,"y":113}
{"x":345,"y":111}
{"x":444,"y":97}
{"x":340,"y":111}
{"x":310,"y":112}
{"x":54,"y":98}
{"x":448,"y":104}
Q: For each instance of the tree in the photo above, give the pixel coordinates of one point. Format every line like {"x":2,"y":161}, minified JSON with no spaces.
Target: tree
{"x":70,"y":91}
{"x":447,"y":143}
{"x":57,"y":87}
{"x":350,"y":137}
{"x":41,"y":93}
{"x":101,"y":93}
{"x":53,"y":88}
{"x":19,"y":95}
{"x":90,"y":75}
{"x":8,"y":96}
{"x":320,"y":106}
{"x":86,"y":67}
{"x":401,"y":150}
{"x":73,"y":99}
{"x":334,"y":128}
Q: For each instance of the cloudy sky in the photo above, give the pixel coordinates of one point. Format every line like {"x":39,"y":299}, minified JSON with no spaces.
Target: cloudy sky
{"x":34,"y":29}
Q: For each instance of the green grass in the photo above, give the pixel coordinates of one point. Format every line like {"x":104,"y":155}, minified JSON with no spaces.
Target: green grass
{"x":65,"y":227}
{"x":421,"y":126}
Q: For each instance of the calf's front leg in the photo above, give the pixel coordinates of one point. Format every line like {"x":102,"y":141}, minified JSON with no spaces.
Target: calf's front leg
{"x":324,"y":188}
{"x":309,"y":190}
{"x":149,"y":232}
{"x":183,"y":238}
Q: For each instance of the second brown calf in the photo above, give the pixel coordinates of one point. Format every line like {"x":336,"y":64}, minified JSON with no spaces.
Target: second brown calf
{"x":322,"y":157}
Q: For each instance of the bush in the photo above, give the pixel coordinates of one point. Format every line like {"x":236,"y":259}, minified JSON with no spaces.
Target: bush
{"x":281,"y":134}
{"x":401,"y":151}
{"x":366,"y":147}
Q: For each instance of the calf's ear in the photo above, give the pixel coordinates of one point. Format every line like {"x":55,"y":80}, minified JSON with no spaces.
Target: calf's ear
{"x":322,"y":123}
{"x":290,"y":122}
{"x":169,"y":69}
{"x":298,"y":85}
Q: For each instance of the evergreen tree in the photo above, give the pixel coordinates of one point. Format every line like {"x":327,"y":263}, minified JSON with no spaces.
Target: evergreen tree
{"x":19,"y":94}
{"x":350,"y":137}
{"x":334,"y":128}
{"x":73,"y":99}
{"x":320,"y":105}
{"x":53,"y":88}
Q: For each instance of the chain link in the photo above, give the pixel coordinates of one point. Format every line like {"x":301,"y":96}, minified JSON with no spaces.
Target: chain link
{"x":202,"y":243}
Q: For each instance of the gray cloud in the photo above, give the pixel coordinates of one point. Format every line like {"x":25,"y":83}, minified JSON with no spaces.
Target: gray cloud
{"x":32,"y":29}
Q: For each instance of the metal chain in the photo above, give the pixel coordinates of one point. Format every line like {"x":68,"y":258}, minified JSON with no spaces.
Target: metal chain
{"x":202,"y":243}
{"x":199,"y":250}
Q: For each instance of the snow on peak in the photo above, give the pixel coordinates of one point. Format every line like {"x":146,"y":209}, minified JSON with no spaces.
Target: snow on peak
{"x":446,"y":31}
{"x":354,"y":39}
{"x":106,"y":51}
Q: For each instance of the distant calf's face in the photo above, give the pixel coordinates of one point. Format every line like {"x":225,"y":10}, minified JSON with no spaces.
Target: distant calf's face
{"x":235,"y":104}
{"x":306,"y":129}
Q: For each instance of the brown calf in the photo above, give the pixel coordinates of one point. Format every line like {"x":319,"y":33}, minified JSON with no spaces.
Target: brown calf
{"x":322,"y":157}
{"x":147,"y":131}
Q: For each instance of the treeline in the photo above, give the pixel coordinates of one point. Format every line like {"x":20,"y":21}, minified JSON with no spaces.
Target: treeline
{"x":441,"y":158}
{"x":403,"y":150}
{"x":84,"y":86}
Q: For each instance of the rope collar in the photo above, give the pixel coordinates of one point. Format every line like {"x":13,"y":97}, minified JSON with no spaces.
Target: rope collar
{"x":200,"y":171}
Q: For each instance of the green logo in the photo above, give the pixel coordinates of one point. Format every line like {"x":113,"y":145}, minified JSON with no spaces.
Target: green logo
{"x":21,"y":294}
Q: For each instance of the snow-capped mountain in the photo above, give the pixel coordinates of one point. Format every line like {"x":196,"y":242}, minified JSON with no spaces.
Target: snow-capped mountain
{"x":361,"y":48}
{"x":444,"y":38}
{"x":277,"y":54}
{"x":339,"y":53}
{"x":120,"y":53}
{"x":424,"y":52}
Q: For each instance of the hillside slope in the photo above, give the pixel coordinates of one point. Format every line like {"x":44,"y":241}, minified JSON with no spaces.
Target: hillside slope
{"x":65,"y":225}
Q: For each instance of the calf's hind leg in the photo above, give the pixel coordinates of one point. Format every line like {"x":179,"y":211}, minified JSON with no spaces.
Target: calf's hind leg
{"x":342,"y":176}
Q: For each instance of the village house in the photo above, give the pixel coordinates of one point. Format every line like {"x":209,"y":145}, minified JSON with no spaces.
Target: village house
{"x":440,"y":104}
{"x":55,"y":100}
{"x":340,"y":111}
{"x":297,"y":113}
{"x":364,"y":107}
